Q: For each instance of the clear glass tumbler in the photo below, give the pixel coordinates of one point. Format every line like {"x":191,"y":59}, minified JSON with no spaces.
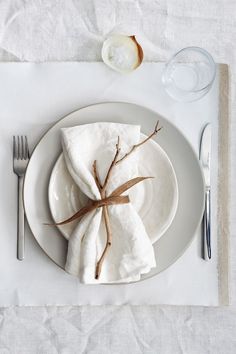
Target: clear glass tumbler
{"x":189,"y":74}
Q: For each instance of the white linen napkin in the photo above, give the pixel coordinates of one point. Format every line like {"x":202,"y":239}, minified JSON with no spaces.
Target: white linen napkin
{"x":131,"y":253}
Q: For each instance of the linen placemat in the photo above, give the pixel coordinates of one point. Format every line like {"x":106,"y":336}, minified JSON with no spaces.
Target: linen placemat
{"x":33,"y":97}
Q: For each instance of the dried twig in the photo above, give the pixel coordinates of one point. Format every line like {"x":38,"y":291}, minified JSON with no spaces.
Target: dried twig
{"x":112,"y":163}
{"x":156,"y":130}
{"x":102,"y":190}
{"x":96,"y":177}
{"x":108,"y":242}
{"x":118,"y":191}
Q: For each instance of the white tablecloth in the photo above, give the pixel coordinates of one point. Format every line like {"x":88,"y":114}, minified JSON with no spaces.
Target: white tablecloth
{"x":74,"y":30}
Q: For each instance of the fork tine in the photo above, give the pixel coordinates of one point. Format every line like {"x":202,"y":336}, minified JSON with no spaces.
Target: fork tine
{"x":22,"y":148}
{"x":18,"y":147}
{"x":26,"y":148}
{"x":14,"y":146}
{"x":24,"y":156}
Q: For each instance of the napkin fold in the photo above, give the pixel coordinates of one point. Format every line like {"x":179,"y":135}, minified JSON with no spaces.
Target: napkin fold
{"x":131,"y":253}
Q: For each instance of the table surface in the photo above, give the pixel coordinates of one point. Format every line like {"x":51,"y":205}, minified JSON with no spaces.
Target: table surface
{"x":75,"y":30}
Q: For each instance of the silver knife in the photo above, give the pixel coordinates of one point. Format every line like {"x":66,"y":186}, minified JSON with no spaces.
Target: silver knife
{"x":205,"y":158}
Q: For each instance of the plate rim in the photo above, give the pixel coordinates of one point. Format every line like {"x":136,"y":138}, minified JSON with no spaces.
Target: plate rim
{"x":152,"y":111}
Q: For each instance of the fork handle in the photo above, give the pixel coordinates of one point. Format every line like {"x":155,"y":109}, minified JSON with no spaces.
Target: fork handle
{"x":20,"y":222}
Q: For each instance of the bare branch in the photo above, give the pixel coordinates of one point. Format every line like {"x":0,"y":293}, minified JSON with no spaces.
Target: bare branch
{"x":134,"y":147}
{"x":96,"y":177}
{"x":100,"y":262}
{"x":112,"y":164}
{"x":108,"y":242}
{"x":118,"y":191}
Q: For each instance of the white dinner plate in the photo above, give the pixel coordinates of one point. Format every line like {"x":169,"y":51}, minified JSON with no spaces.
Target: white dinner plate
{"x":185,"y":162}
{"x":155,"y":200}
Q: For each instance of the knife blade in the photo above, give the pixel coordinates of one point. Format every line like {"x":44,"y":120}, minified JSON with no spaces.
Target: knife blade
{"x":205,"y":158}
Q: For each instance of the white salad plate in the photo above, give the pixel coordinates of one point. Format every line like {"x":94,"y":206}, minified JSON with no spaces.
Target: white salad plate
{"x":190,"y":193}
{"x":155,"y":200}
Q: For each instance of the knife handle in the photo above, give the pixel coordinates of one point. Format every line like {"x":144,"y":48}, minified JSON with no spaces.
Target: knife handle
{"x":207,"y":226}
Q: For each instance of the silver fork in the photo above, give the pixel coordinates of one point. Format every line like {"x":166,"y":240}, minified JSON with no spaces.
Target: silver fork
{"x":20,"y":161}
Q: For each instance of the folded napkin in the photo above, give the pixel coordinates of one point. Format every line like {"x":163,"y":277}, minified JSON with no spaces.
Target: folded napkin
{"x":131,"y":253}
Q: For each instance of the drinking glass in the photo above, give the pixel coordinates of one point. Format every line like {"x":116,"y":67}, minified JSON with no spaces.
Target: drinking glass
{"x":189,"y":74}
